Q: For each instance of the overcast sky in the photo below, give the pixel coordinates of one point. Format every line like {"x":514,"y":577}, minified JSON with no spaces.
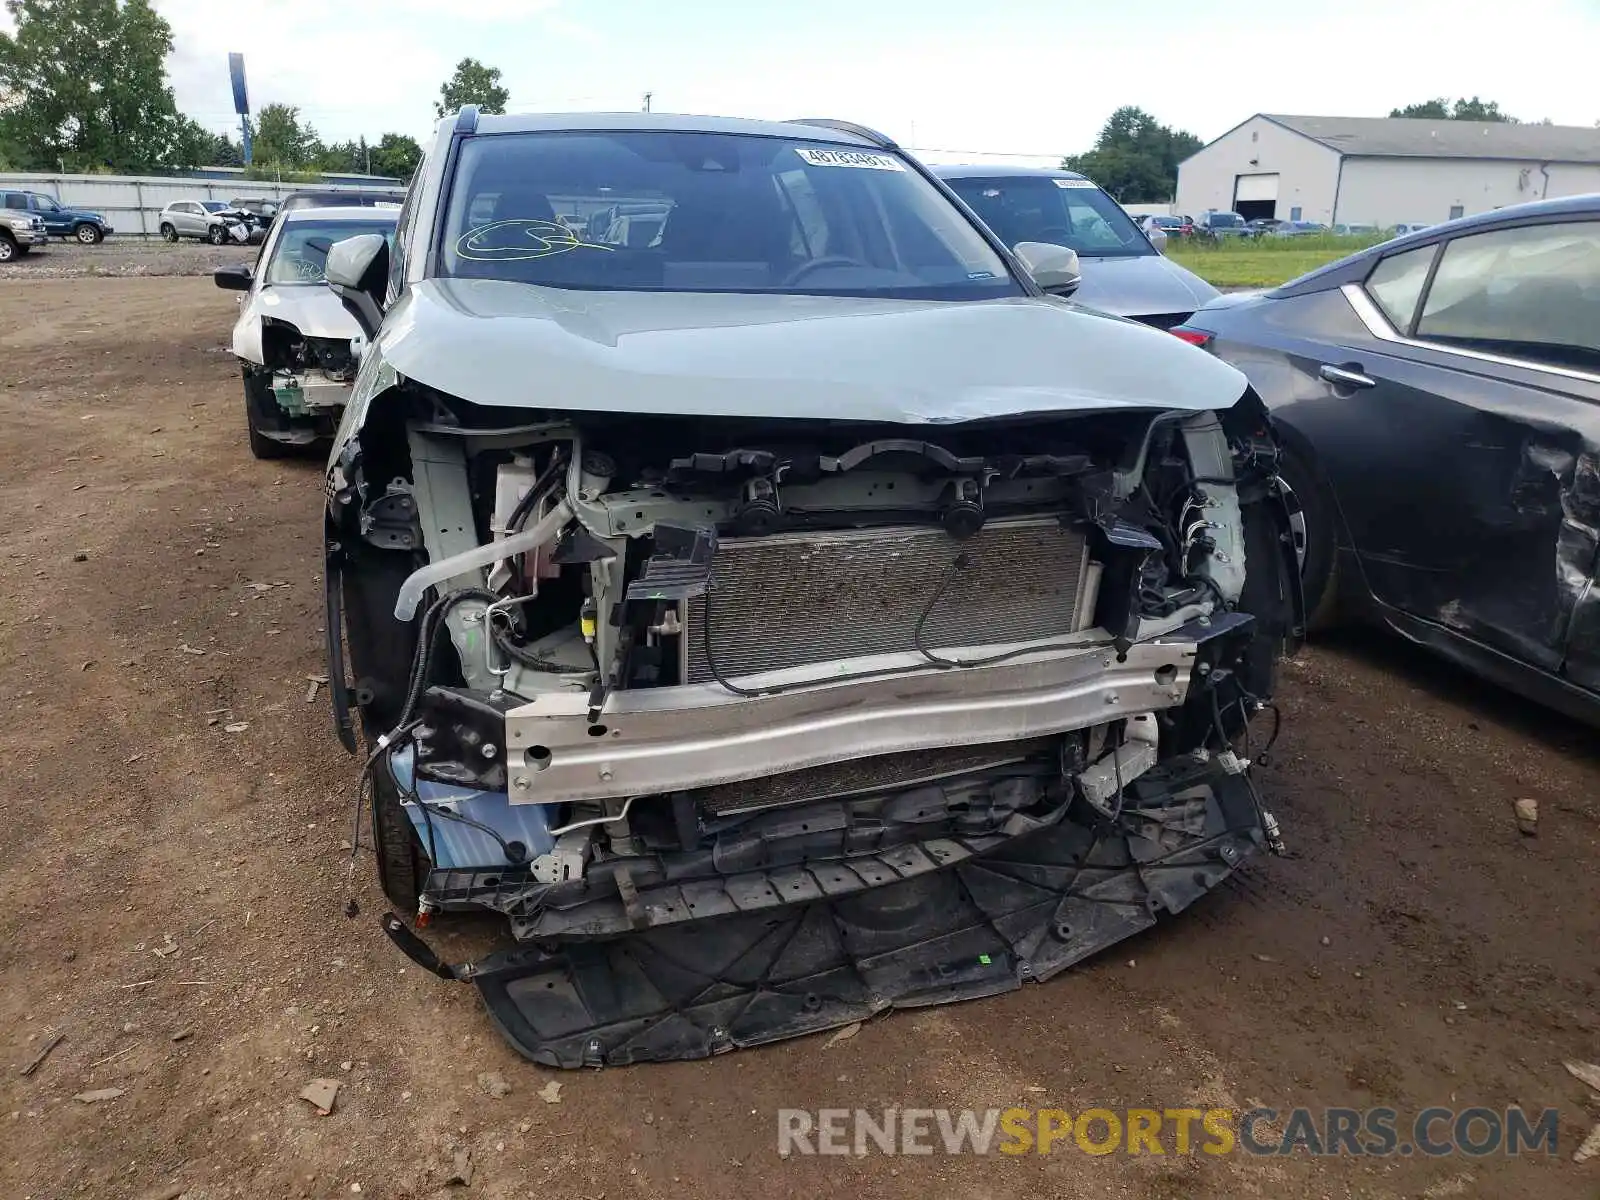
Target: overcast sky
{"x":1014,"y":77}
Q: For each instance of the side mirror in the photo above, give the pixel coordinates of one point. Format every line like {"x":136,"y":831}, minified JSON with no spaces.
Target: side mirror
{"x":350,"y":261}
{"x":1054,"y":268}
{"x":235,"y":277}
{"x":1158,"y":239}
{"x":356,"y":270}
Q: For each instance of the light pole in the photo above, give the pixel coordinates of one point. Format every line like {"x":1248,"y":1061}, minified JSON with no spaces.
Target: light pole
{"x":647,"y":96}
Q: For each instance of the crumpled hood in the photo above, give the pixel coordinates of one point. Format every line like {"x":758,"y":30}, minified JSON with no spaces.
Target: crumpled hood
{"x":806,"y":357}
{"x":1144,"y":285}
{"x":314,"y":311}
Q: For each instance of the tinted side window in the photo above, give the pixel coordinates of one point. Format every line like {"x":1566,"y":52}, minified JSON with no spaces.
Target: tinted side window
{"x":1532,"y":292}
{"x":1396,"y":284}
{"x":402,"y":236}
{"x":16,"y":200}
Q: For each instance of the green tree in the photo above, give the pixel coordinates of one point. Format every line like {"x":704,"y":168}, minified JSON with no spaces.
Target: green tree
{"x":224,"y":152}
{"x":396,"y":155}
{"x":1135,"y":158}
{"x":193,"y":145}
{"x":282,"y":139}
{"x":345,"y":156}
{"x":1442,"y":109}
{"x":472,"y":83}
{"x":88,"y":87}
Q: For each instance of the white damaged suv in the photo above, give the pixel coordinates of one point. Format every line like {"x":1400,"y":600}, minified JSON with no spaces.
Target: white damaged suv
{"x":767,"y":595}
{"x":293,"y":336}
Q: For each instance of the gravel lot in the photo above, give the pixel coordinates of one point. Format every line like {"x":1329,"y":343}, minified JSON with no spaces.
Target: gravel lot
{"x":176,"y":872}
{"x":123,"y":256}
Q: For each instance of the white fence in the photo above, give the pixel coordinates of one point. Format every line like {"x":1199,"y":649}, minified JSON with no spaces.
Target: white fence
{"x":131,"y":202}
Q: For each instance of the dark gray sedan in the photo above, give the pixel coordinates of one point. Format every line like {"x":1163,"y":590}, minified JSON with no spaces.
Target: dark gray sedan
{"x":1438,"y":399}
{"x":1122,"y":271}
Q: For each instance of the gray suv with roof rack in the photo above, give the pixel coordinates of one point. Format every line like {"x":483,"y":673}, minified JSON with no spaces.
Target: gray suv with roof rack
{"x":783,"y":608}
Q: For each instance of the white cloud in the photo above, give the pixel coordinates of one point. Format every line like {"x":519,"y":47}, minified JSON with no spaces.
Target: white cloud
{"x":1028,"y":77}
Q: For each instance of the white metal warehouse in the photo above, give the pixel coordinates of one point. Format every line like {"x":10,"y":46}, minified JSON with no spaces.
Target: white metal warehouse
{"x":1384,"y":171}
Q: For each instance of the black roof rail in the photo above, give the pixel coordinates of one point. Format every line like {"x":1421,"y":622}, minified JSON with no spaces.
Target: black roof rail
{"x":872,"y":135}
{"x":467,"y":119}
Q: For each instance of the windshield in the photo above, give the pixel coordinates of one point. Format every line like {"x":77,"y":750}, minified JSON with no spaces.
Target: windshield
{"x":213,"y":205}
{"x":709,"y":212}
{"x":1065,"y":212}
{"x":1223,"y":220}
{"x":301,"y":254}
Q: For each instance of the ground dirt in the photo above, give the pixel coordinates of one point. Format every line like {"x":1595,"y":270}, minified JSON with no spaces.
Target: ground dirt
{"x":176,"y":862}
{"x":60,"y":259}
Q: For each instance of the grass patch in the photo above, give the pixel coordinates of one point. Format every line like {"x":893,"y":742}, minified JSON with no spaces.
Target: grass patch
{"x":1263,"y":262}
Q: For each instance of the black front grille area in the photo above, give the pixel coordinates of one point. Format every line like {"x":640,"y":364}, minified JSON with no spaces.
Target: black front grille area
{"x":881,"y":772}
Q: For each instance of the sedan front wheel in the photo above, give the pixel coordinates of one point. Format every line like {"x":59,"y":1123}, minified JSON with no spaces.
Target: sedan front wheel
{"x":1318,"y":543}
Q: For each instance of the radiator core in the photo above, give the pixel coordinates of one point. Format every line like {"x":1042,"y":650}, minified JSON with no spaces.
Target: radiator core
{"x":794,"y":599}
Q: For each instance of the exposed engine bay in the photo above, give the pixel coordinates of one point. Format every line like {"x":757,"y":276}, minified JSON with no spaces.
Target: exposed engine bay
{"x":302,"y":383}
{"x":751,"y":727}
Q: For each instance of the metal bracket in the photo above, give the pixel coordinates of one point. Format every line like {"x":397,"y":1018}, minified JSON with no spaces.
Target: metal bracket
{"x":439,"y":484}
{"x":390,"y":521}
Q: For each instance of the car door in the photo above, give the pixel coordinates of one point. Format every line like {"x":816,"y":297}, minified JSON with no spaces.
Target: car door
{"x":48,"y":211}
{"x":1459,"y":425}
{"x":194,"y":219}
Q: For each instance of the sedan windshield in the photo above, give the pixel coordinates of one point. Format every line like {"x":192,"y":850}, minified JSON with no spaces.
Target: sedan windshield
{"x":709,"y":212}
{"x":301,"y":254}
{"x":1065,"y":212}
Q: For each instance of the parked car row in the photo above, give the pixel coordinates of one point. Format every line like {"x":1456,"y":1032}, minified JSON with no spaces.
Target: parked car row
{"x":1216,"y":225}
{"x":30,"y":219}
{"x":249,"y":221}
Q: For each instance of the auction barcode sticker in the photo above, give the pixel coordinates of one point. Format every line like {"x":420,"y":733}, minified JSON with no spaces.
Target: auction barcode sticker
{"x":1074,"y":183}
{"x":864,"y":159}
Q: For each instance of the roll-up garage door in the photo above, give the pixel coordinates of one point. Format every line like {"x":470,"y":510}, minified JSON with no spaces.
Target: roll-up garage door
{"x":1249,"y":189}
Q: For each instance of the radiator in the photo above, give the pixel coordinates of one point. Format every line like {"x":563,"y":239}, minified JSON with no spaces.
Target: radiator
{"x":793,"y":599}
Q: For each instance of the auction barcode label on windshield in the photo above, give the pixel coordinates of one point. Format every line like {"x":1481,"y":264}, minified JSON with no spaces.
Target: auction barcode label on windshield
{"x":849,"y":158}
